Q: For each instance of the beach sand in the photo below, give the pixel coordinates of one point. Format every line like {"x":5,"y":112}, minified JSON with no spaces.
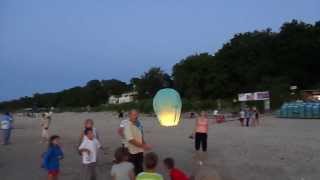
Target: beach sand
{"x":280,"y":149}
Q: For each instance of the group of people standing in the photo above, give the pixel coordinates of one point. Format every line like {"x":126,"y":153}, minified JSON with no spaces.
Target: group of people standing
{"x":130,"y":160}
{"x":249,"y":117}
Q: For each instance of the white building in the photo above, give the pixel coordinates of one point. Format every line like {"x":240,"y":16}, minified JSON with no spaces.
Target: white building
{"x":113,"y":100}
{"x":124,"y":98}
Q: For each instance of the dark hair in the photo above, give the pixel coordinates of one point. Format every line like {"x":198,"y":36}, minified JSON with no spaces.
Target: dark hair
{"x":151,"y":160}
{"x":52,"y":138}
{"x":169,"y":162}
{"x":87,"y":130}
{"x":120,"y":154}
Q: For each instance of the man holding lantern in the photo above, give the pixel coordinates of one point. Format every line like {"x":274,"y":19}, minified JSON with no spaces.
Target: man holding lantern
{"x":133,"y":135}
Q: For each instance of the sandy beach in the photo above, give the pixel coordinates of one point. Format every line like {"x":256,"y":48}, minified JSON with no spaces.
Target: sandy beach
{"x":280,"y":149}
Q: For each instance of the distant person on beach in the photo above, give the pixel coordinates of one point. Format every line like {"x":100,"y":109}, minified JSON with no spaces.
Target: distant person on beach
{"x":88,"y":123}
{"x":201,"y":131}
{"x":255,"y":117}
{"x":175,"y":173}
{"x":122,"y":169}
{"x":120,"y":114}
{"x":6,"y":126}
{"x":133,"y":135}
{"x":242,"y":117}
{"x":150,"y":162}
{"x":51,"y":158}
{"x":191,"y":115}
{"x":88,"y":108}
{"x":215,"y":112}
{"x":247,"y":114}
{"x":45,"y":123}
{"x":89,"y":151}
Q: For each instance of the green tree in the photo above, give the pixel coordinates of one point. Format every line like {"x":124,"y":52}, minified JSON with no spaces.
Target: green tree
{"x":150,"y":82}
{"x":115,"y":87}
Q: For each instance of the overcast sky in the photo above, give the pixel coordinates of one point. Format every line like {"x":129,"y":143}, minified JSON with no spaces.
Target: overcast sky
{"x":50,"y":45}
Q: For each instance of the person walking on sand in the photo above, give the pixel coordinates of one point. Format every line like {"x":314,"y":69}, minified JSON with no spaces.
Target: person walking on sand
{"x":89,"y":151}
{"x":255,"y":117}
{"x":135,"y":140}
{"x":247,"y":115}
{"x":51,"y":158}
{"x":45,"y":123}
{"x":242,"y":117}
{"x":6,"y":126}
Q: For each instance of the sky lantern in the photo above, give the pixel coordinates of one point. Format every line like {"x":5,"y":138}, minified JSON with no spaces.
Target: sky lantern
{"x":167,"y":106}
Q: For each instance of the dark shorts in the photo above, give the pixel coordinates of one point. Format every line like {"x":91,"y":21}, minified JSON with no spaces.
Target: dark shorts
{"x":53,"y":172}
{"x":137,"y":161}
{"x":241,"y":119}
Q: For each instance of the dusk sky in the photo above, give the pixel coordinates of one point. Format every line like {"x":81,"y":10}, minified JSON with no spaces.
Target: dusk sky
{"x":51,"y":45}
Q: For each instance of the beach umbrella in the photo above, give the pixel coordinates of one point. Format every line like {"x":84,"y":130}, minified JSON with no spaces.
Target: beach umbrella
{"x":167,"y":106}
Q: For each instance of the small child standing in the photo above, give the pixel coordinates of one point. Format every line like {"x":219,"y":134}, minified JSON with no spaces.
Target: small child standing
{"x":175,"y":173}
{"x":122,"y":170}
{"x":150,"y":162}
{"x":89,"y":150}
{"x":51,"y":159}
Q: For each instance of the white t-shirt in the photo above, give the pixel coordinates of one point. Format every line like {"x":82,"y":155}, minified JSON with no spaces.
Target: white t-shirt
{"x":5,"y":125}
{"x":92,"y":146}
{"x":121,"y":171}
{"x":242,"y":114}
{"x":123,"y":123}
{"x":6,"y":122}
{"x":215,"y":112}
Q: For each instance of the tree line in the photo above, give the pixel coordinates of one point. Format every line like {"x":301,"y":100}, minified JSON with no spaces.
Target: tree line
{"x":252,"y":61}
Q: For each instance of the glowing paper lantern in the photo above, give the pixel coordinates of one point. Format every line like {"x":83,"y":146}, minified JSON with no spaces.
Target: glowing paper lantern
{"x":167,"y":106}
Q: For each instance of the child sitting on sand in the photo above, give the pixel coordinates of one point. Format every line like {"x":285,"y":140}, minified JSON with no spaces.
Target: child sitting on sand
{"x":52,"y":157}
{"x":150,"y":162}
{"x":175,"y":173}
{"x":122,"y":170}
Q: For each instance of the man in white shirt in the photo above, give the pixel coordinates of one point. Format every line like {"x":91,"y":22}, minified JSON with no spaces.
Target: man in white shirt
{"x":89,"y":150}
{"x":123,"y":124}
{"x":133,"y":135}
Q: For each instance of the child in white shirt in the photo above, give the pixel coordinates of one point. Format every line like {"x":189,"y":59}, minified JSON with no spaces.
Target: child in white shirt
{"x":89,"y":150}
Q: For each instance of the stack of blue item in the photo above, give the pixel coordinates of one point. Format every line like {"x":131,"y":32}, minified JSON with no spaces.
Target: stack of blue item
{"x":303,"y":110}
